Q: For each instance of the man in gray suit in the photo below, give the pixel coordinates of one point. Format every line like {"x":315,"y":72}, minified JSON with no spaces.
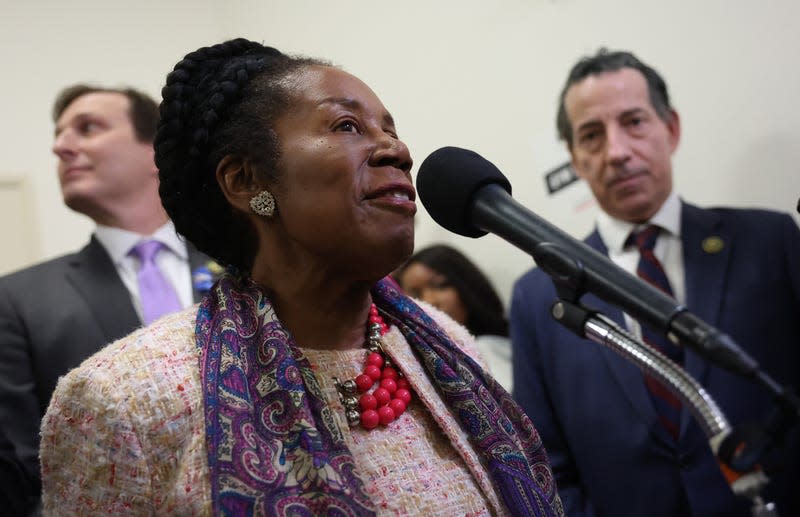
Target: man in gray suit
{"x":55,"y":314}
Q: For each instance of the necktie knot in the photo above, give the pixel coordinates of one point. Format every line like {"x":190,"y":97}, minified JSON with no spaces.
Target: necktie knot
{"x":146,"y":251}
{"x":645,"y":239}
{"x":649,"y":268}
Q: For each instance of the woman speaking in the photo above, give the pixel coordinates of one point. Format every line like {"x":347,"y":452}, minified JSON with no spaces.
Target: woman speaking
{"x":304,"y":384}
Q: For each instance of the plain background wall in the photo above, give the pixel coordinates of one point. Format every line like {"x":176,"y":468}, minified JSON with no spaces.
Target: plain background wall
{"x":475,"y":74}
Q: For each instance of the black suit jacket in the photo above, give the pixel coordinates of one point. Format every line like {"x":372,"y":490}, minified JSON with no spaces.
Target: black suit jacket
{"x":53,"y":316}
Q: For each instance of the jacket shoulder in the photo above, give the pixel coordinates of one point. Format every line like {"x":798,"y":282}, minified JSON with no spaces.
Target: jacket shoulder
{"x":741,"y":216}
{"x":37,"y":270}
{"x":44,"y":275}
{"x":168,"y":337}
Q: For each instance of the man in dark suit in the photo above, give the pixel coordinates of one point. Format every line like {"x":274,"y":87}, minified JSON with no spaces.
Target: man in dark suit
{"x":614,"y":453}
{"x":55,"y":314}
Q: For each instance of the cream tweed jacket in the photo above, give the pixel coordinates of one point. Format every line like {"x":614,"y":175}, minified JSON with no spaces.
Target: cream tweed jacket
{"x":124,"y":432}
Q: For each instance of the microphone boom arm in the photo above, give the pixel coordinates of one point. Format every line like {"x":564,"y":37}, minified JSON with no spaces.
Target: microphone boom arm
{"x":494,"y":210}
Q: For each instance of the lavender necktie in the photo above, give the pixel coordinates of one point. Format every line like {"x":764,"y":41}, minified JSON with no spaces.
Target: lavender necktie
{"x":155,"y":293}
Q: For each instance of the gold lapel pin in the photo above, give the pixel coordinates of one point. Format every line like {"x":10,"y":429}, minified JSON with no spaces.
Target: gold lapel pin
{"x":713,"y":244}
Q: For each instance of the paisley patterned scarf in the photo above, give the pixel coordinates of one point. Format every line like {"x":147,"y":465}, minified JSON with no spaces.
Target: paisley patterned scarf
{"x":274,"y":447}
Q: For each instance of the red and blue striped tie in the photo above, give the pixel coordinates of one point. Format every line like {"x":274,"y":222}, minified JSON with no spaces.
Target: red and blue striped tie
{"x":667,"y":404}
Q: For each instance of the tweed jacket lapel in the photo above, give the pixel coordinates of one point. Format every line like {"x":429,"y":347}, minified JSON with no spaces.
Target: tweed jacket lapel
{"x":397,"y":348}
{"x":93,"y":275}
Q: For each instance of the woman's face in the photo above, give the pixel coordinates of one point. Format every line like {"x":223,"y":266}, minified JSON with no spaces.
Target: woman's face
{"x":421,"y":282}
{"x":345,"y":194}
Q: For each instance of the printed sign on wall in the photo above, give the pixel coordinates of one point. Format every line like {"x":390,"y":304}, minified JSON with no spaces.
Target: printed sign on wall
{"x":560,"y":177}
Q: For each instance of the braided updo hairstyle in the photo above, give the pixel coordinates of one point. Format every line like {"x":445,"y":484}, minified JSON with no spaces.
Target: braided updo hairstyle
{"x":220,"y":100}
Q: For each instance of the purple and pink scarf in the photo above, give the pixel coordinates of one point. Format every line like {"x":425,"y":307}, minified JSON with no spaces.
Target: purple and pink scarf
{"x":274,"y":447}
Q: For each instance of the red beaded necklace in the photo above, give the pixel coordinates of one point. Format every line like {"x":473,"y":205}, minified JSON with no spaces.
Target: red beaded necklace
{"x":386,"y":402}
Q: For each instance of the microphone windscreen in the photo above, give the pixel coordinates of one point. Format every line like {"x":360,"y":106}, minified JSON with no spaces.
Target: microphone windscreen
{"x":447,"y":182}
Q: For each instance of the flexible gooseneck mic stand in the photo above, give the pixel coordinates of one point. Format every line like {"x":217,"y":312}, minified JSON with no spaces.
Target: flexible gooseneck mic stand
{"x":713,"y":422}
{"x":738,"y":452}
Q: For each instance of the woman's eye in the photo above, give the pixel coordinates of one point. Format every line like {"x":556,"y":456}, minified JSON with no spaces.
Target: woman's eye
{"x":347,"y":126}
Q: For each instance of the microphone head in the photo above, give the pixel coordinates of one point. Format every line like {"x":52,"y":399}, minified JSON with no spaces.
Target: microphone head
{"x":447,"y":182}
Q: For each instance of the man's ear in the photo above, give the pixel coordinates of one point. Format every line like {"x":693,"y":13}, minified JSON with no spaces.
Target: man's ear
{"x":236,"y":180}
{"x":674,"y":129}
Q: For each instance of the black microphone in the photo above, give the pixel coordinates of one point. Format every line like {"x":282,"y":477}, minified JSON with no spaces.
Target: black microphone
{"x":468,"y":195}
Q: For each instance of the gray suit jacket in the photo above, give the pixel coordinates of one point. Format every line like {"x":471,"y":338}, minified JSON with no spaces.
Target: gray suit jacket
{"x":53,"y":316}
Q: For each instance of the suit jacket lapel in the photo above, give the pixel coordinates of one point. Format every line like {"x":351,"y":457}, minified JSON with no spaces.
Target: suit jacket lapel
{"x":707,"y":249}
{"x":626,"y":373}
{"x":94,"y":276}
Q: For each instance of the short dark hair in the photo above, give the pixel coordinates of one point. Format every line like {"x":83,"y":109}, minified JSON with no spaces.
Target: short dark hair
{"x":143,"y":110}
{"x":484,"y":308}
{"x":218,"y":101}
{"x":611,"y":61}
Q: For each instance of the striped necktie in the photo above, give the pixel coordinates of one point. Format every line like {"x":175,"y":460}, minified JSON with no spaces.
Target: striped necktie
{"x":667,"y":404}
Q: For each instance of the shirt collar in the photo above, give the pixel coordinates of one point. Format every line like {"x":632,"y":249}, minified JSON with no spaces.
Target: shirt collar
{"x":614,"y":232}
{"x":118,"y":242}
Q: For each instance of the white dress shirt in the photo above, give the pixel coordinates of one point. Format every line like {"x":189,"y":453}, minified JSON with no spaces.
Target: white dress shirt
{"x":668,"y":249}
{"x":172,"y":260}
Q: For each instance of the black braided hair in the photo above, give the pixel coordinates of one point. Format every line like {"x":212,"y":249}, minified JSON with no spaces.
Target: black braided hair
{"x":220,"y":100}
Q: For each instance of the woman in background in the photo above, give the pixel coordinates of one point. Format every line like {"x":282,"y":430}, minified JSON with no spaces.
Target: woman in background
{"x":304,"y":384}
{"x":445,"y":278}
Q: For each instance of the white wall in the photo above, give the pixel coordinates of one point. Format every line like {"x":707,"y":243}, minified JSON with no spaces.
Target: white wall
{"x":472,"y":73}
{"x":47,"y":45}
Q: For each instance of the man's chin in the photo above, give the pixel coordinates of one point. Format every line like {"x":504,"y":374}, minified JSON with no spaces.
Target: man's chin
{"x":78,"y":202}
{"x":637,"y":214}
{"x":635,"y":206}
